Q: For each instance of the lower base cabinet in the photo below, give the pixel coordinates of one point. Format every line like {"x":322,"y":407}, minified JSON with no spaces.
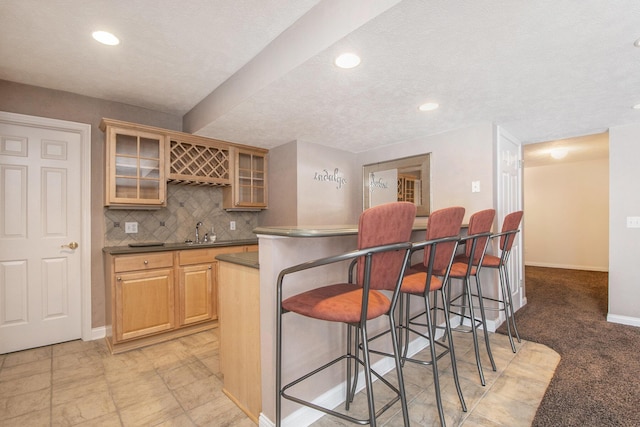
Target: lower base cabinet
{"x":196,"y":296}
{"x":144,"y":303}
{"x":157,"y":296}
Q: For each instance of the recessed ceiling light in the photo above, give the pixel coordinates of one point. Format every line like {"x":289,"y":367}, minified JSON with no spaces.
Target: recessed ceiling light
{"x":637,"y":43}
{"x":347,"y":60}
{"x":429,"y":106}
{"x":105,"y":37}
{"x":559,"y":153}
{"x":636,"y":107}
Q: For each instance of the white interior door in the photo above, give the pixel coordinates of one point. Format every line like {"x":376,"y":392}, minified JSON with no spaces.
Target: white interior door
{"x":510,"y":200}
{"x":41,"y":233}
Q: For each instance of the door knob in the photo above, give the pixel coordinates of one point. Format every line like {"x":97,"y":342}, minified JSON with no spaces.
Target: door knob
{"x":71,"y":245}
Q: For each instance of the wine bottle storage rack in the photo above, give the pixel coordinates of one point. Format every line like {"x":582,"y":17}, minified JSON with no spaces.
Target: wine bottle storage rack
{"x":198,"y":164}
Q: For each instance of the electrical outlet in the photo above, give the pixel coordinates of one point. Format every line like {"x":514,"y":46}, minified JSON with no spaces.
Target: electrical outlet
{"x":633,"y":222}
{"x":131,"y":227}
{"x":475,"y":186}
{"x":232,"y":225}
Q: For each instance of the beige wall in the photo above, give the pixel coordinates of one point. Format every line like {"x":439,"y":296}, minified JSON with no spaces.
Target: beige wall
{"x":457,"y":158}
{"x":567,"y":215}
{"x":302,"y":189}
{"x":624,"y":243}
{"x":23,"y":99}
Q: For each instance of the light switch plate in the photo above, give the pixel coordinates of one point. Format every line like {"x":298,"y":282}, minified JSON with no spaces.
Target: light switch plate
{"x":131,"y":227}
{"x":232,"y":225}
{"x":475,"y":186}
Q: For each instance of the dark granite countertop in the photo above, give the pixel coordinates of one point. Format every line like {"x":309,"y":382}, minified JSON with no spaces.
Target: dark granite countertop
{"x":119,"y":250}
{"x":247,"y":259}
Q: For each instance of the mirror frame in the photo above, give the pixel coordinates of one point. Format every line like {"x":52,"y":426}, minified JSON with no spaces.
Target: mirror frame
{"x":420,"y":162}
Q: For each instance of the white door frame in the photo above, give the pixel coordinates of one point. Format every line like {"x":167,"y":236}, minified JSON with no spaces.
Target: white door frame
{"x":84,"y":130}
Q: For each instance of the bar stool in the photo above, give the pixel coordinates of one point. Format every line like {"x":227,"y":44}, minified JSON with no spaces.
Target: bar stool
{"x":505,"y":302}
{"x":383,"y":251}
{"x":465,"y":267}
{"x":426,"y":279}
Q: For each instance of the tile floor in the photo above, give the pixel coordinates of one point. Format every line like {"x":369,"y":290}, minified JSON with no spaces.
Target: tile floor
{"x":178,"y":383}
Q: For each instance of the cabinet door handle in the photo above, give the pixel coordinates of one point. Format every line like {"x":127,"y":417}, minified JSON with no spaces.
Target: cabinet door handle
{"x":146,"y":262}
{"x":119,"y":278}
{"x":209,"y":267}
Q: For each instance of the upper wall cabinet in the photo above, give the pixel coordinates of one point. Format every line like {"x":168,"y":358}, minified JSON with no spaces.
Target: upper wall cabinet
{"x":135,"y":165}
{"x":196,"y":160}
{"x":249,"y":189}
{"x":140,"y":160}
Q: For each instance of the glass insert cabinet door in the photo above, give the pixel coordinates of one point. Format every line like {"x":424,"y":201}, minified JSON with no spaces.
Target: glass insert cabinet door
{"x":136,"y":175}
{"x":251,"y":171}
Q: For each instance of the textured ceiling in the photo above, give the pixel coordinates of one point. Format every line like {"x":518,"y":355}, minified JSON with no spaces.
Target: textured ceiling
{"x":260,"y":71}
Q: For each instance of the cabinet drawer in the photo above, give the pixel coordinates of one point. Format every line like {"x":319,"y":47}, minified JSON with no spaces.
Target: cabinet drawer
{"x":143,"y":262}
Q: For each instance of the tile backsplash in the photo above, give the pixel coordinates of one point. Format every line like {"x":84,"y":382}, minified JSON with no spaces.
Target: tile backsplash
{"x":186,"y":205}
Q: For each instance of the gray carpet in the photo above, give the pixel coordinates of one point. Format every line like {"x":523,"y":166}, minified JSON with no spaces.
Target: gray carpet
{"x":597,"y":382}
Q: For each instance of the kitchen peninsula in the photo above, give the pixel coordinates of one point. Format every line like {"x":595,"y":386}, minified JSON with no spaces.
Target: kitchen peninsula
{"x":307,"y":343}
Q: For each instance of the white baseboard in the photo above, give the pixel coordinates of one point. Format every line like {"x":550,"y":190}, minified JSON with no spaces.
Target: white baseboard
{"x":623,"y":320}
{"x":98,"y":333}
{"x":567,"y":266}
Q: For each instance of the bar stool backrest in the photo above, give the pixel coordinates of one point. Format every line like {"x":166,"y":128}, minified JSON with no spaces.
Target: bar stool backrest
{"x":382,"y":225}
{"x":511,"y":223}
{"x":480,"y":222}
{"x":443,"y":223}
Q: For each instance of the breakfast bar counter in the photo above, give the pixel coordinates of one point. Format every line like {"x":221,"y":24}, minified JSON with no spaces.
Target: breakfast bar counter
{"x":307,"y":343}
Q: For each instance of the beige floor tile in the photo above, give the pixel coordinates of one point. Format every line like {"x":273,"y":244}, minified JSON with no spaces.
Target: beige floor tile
{"x":75,"y":346}
{"x":22,"y":370}
{"x":138,"y":390}
{"x":505,"y":411}
{"x":199,"y":392}
{"x":181,"y":420}
{"x":76,"y":373}
{"x":220,"y":412}
{"x":108,"y":420}
{"x":26,"y":356}
{"x":68,"y":392}
{"x":35,"y":418}
{"x":14,"y":406}
{"x":83,"y":408}
{"x":21,"y":385}
{"x":151,"y":412}
{"x":185,"y":374}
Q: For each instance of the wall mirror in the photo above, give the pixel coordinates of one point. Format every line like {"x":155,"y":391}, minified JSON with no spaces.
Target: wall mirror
{"x":407,"y":179}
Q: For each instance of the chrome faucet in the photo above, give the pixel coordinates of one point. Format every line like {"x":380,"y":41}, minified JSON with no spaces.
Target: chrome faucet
{"x":198,"y":232}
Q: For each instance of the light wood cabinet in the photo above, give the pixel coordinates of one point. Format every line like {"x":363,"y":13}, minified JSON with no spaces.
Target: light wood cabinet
{"x":156,"y":296}
{"x":196,"y":297}
{"x":134,"y":165}
{"x":249,"y":190}
{"x":195,"y":160}
{"x":240,"y":336}
{"x":144,"y":304}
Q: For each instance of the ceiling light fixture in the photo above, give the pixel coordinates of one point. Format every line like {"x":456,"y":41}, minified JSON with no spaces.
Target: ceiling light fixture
{"x":429,"y":106}
{"x":105,"y":37}
{"x":347,"y":60}
{"x":637,"y":43}
{"x":636,"y":107}
{"x":559,"y":153}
